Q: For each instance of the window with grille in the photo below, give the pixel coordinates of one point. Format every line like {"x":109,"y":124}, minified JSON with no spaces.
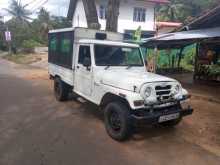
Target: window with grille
{"x":139,"y":14}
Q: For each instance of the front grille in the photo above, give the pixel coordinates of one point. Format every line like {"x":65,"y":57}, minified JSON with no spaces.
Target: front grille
{"x":163,"y":92}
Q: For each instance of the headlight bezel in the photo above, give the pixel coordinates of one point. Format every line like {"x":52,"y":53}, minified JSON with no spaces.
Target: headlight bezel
{"x":176,"y":89}
{"x":147,"y":92}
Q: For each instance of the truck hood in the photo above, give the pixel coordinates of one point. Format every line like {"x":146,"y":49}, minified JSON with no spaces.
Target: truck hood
{"x":130,"y":79}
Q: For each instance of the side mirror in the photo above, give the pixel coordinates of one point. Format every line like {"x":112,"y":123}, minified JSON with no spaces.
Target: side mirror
{"x":145,"y":62}
{"x":87,"y":63}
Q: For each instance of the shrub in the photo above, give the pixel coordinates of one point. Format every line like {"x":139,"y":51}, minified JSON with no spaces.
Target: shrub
{"x":30,"y":44}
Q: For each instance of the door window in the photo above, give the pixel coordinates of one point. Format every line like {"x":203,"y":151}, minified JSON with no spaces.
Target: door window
{"x":84,"y":52}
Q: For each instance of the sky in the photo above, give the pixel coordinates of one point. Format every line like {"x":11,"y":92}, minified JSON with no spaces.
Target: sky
{"x":55,"y":7}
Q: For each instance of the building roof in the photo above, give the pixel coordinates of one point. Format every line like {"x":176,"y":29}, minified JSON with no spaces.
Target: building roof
{"x":159,"y":1}
{"x":208,"y":20}
{"x":72,"y":6}
{"x":168,"y":24}
{"x":183,"y":38}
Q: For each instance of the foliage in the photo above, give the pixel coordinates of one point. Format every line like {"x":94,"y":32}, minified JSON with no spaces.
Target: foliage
{"x":184,"y":10}
{"x":35,"y":32}
{"x":2,"y":40}
{"x":169,"y":58}
{"x":30,"y":44}
{"x":213,"y":70}
{"x":19,"y":11}
{"x":22,"y":58}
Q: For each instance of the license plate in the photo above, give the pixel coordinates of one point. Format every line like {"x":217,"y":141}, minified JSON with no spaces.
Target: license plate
{"x":169,"y":117}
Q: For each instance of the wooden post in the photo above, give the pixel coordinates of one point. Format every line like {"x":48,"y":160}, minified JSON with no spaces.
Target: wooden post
{"x":180,"y":56}
{"x":155,"y":59}
{"x":196,"y":61}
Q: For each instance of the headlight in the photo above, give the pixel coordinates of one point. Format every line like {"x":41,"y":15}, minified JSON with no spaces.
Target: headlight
{"x":147,"y":92}
{"x":176,"y":89}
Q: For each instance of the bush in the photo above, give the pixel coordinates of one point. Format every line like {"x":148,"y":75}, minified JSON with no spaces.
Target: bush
{"x":30,"y":44}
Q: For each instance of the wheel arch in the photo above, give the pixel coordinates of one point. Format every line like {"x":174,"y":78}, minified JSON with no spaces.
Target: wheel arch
{"x":110,"y":97}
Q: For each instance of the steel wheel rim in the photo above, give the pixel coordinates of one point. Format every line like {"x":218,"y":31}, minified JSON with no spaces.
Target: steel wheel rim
{"x":115,"y":121}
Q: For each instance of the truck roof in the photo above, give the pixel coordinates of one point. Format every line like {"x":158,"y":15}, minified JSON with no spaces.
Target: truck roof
{"x":106,"y":42}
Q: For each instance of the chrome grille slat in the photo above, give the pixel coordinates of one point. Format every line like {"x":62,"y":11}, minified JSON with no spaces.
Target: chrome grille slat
{"x":163,"y":92}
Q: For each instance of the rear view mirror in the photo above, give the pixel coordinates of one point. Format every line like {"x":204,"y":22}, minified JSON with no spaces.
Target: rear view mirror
{"x":145,"y":62}
{"x":87,"y":62}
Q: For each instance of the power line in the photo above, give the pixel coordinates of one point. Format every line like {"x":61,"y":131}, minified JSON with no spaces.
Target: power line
{"x":41,"y":4}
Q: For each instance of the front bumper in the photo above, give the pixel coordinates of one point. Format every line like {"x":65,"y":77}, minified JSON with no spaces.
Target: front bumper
{"x":152,"y":117}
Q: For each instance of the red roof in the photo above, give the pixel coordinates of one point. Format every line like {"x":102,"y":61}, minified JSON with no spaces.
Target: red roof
{"x":169,"y":24}
{"x":159,"y":1}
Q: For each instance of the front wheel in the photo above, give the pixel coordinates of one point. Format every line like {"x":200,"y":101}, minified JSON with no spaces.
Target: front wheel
{"x":117,"y":122}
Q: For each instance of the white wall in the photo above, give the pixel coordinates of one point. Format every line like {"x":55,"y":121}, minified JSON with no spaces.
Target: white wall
{"x":125,"y":21}
{"x":79,"y":18}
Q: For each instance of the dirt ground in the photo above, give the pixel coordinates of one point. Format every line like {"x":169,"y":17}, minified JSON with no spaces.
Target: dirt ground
{"x":205,"y":122}
{"x":35,"y":129}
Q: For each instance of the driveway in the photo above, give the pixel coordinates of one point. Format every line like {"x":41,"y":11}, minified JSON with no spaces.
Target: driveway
{"x":35,"y":129}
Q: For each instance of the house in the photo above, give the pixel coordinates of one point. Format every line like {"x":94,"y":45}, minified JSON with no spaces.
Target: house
{"x":132,"y":14}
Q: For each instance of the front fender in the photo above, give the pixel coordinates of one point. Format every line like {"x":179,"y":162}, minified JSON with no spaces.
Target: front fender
{"x":128,"y":95}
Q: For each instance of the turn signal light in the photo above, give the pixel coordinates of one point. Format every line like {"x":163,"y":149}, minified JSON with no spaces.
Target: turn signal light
{"x":138,"y":103}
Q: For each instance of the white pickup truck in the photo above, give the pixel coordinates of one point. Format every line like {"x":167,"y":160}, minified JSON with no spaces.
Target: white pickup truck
{"x":99,"y":67}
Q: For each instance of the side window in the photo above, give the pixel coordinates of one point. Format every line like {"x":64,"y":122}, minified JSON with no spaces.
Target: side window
{"x":53,"y":48}
{"x":84,"y":52}
{"x":65,"y":45}
{"x":61,"y":48}
{"x":53,"y":43}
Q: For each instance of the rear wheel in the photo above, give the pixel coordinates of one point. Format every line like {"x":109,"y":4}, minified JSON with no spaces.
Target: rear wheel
{"x":117,"y":122}
{"x":61,"y":89}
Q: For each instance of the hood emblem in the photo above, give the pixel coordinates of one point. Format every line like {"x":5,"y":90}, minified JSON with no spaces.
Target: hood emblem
{"x":135,"y":87}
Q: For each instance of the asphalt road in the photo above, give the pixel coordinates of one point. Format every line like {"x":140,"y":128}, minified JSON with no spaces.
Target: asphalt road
{"x":35,"y":129}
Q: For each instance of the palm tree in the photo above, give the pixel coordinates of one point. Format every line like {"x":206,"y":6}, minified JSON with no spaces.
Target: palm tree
{"x":91,"y":14}
{"x":112,"y":15}
{"x":19,"y":11}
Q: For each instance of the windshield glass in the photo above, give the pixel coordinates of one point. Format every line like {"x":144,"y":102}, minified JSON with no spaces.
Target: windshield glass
{"x":108,"y":55}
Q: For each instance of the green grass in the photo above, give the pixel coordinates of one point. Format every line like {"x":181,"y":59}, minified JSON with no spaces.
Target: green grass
{"x":23,"y":58}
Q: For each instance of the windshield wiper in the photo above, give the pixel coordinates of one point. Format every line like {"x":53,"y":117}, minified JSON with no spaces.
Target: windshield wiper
{"x":108,"y":66}
{"x":131,"y":65}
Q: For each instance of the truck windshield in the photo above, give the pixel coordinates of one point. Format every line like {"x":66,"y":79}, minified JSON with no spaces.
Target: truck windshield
{"x":108,"y":55}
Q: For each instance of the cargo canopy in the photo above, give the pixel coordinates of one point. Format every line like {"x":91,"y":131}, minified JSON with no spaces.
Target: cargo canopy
{"x":182,"y":39}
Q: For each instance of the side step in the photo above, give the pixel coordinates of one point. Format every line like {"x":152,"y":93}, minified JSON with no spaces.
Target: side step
{"x":81,"y":100}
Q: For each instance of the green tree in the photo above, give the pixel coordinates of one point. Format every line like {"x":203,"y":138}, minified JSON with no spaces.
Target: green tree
{"x":171,"y":12}
{"x":19,"y":11}
{"x":184,"y":10}
{"x":2,"y":37}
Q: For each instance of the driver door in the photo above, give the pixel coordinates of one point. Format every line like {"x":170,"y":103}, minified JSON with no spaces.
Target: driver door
{"x":83,"y":74}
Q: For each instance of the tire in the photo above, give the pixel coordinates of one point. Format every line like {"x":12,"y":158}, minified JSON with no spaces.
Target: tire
{"x":117,"y":122}
{"x":171,"y":123}
{"x":61,"y":89}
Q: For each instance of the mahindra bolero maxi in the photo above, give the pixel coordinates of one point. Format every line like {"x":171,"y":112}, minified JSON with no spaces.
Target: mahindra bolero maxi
{"x":99,"y":67}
